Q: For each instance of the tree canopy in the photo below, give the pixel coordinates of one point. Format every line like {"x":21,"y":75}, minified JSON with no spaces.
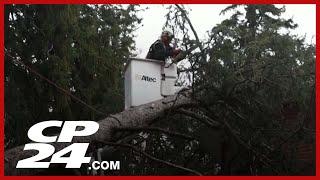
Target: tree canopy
{"x":81,"y":48}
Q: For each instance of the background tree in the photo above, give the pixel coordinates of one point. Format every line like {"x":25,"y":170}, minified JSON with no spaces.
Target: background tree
{"x":82,"y":48}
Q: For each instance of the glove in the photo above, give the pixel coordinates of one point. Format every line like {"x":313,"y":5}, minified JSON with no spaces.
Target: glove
{"x":176,"y":52}
{"x":180,"y":56}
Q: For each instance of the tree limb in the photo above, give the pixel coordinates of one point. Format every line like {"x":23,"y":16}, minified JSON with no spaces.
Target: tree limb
{"x":183,"y":12}
{"x":138,"y":116}
{"x":199,"y":44}
{"x":153,"y":158}
{"x":202,"y":118}
{"x":262,"y":158}
{"x":171,"y":133}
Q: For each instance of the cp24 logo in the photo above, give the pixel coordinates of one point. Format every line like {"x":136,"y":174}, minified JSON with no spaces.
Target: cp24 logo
{"x":69,"y":130}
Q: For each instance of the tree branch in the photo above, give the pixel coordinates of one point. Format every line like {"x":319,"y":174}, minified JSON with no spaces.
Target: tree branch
{"x":183,"y":12}
{"x":202,"y":118}
{"x":208,"y":121}
{"x":156,"y":129}
{"x":262,"y":158}
{"x":152,"y":157}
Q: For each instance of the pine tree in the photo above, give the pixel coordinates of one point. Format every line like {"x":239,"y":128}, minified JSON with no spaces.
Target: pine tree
{"x":81,"y":48}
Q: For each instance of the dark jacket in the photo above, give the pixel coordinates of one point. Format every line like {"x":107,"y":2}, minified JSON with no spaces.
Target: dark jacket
{"x":159,"y":51}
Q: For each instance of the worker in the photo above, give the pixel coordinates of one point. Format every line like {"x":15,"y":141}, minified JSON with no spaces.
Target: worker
{"x":161,"y":49}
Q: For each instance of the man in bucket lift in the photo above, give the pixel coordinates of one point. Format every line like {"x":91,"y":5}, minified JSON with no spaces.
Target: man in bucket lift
{"x":161,"y":49}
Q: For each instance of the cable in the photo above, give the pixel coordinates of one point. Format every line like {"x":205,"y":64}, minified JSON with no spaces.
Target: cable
{"x":66,"y":92}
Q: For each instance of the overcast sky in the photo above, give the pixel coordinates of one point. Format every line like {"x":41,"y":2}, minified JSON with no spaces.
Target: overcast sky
{"x":205,"y":16}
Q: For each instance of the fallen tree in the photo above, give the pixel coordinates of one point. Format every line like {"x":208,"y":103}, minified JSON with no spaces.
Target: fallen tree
{"x":138,"y":116}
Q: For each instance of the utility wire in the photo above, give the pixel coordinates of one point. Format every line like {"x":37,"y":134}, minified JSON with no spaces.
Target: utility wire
{"x":64,"y":91}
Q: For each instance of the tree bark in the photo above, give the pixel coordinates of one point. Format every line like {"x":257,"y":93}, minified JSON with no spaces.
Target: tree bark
{"x":138,"y":116}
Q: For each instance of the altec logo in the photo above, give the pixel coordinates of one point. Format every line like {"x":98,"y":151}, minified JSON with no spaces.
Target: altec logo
{"x":145,"y":78}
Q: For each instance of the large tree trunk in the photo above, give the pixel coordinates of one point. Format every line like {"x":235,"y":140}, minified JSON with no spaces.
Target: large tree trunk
{"x":134,"y":117}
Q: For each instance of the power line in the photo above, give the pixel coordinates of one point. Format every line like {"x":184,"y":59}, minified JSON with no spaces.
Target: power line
{"x":64,"y":91}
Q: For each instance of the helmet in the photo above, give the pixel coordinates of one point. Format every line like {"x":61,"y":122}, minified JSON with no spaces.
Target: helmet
{"x":167,"y":33}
